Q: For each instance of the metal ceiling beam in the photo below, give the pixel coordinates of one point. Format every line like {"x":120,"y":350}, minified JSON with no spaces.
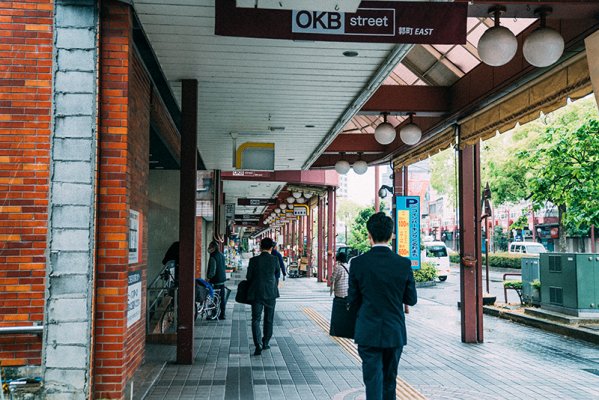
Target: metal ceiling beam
{"x":406,"y":99}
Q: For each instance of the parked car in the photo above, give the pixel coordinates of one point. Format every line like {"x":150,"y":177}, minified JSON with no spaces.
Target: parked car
{"x":350,"y":252}
{"x":532,"y":248}
{"x":436,"y":253}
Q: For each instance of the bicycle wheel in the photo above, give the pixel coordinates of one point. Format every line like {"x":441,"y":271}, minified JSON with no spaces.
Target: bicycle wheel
{"x":212,"y":308}
{"x":168,"y":319}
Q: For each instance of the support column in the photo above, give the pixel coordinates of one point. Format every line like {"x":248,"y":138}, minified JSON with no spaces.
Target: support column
{"x":68,"y":339}
{"x":320,"y":238}
{"x":470,"y":246}
{"x":309,"y":238}
{"x":331,"y":234}
{"x":187,"y":217}
{"x":377,"y":185}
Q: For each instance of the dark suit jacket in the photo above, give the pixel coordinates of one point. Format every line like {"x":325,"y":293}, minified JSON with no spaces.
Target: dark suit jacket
{"x":261,"y":276}
{"x":380,"y":283}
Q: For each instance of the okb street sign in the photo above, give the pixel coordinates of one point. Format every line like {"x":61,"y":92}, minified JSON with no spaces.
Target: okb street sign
{"x":381,"y":22}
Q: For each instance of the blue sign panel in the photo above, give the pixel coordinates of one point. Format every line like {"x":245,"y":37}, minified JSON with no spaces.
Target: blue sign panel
{"x":407,"y":228}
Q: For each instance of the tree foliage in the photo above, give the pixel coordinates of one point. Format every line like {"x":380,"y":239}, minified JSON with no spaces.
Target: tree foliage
{"x":443,"y":175}
{"x":566,"y":172}
{"x":358,"y":237}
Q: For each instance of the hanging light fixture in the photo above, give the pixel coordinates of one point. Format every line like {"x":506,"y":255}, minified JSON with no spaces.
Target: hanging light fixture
{"x":384,"y":133}
{"x":360,"y":167}
{"x":411,"y":133}
{"x":300,"y":200}
{"x":308,"y":195}
{"x":283,"y":206}
{"x":498,"y":45}
{"x":297,"y":194}
{"x":278,"y":210}
{"x":544,"y":46}
{"x":290,"y":199}
{"x":342,"y":166}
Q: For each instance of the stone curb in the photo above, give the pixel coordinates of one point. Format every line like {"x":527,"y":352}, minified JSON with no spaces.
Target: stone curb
{"x":550,"y":326}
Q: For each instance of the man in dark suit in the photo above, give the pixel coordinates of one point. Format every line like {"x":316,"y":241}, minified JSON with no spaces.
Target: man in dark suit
{"x":262,"y":293}
{"x":380,"y":283}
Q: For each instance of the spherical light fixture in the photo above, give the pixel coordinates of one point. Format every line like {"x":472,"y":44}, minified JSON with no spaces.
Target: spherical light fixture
{"x":278,"y":210}
{"x":360,"y":167}
{"x":498,"y":45}
{"x":283,"y":206}
{"x":297,"y":194}
{"x":384,"y":133}
{"x":544,"y":46}
{"x":342,"y":167}
{"x":290,"y":199}
{"x":308,"y":195}
{"x":300,"y":200}
{"x":411,"y":133}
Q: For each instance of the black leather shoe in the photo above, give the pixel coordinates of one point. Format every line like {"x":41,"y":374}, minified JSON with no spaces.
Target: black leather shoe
{"x":265,"y":346}
{"x":258,"y":351}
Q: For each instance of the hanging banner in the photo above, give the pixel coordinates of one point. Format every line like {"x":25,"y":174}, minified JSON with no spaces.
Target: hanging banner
{"x":255,"y":202}
{"x":380,"y":22}
{"x":407,"y":228}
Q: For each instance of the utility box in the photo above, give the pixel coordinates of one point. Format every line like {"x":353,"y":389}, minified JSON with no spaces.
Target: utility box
{"x":530,"y":272}
{"x":570,"y":283}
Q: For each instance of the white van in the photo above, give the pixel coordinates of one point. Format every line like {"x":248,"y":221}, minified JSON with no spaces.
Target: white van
{"x":533,"y":248}
{"x":436,"y":253}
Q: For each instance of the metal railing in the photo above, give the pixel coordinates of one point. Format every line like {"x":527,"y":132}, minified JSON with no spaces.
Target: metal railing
{"x":519,"y":292}
{"x":13,"y":330}
{"x":157,"y":291}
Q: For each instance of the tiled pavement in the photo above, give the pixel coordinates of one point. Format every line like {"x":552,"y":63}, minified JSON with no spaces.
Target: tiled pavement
{"x":515,"y":362}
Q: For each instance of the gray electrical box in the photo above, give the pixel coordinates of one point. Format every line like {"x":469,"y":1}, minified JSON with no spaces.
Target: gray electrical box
{"x":570,"y":283}
{"x":530,"y":272}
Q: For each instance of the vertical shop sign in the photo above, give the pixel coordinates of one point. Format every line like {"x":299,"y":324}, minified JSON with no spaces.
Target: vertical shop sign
{"x":407,"y":228}
{"x":134,"y":298}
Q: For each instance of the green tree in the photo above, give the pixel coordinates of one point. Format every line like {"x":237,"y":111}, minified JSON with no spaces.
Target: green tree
{"x":346,"y":213}
{"x":358,"y":238}
{"x":566,"y":171}
{"x":443,"y":175}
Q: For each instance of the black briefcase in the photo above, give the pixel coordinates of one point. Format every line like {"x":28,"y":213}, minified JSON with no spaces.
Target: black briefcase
{"x":242,"y":292}
{"x":343,"y":321}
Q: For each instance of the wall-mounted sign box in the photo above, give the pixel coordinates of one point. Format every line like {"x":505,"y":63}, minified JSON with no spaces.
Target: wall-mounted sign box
{"x":407,"y":228}
{"x":381,"y":22}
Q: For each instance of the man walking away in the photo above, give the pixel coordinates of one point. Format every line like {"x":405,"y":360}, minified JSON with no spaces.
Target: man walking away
{"x":380,"y":283}
{"x":217,"y":275}
{"x":279,"y":257}
{"x":262,"y":293}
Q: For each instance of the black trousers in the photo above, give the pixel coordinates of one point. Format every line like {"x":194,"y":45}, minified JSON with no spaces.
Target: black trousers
{"x":379,"y":370}
{"x":268,"y":306}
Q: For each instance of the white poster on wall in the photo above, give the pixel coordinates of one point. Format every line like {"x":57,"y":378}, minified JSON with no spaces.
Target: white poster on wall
{"x":134,"y":237}
{"x":134,"y":298}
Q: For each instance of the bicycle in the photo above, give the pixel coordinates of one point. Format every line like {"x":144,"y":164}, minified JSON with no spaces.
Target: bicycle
{"x":168,"y":317}
{"x":207,"y":301}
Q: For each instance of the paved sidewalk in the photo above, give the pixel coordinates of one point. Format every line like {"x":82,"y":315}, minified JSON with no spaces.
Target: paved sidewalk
{"x":515,"y":362}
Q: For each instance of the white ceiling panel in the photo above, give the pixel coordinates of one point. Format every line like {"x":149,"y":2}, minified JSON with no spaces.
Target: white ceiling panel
{"x":248,"y":84}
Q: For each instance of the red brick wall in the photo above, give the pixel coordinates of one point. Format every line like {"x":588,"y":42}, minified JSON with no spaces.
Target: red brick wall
{"x":125,"y":93}
{"x":112,"y":204}
{"x":138,"y":176}
{"x":25,"y":112}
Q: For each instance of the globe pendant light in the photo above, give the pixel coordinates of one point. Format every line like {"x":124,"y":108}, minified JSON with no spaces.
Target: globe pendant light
{"x":342,"y":166}
{"x":498,"y":45}
{"x":544,"y":46}
{"x":384,"y":133}
{"x":411,"y":133}
{"x":360,"y":167}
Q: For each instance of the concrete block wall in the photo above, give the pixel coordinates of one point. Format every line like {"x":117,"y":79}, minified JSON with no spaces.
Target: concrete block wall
{"x":25,"y":127}
{"x":70,"y":265}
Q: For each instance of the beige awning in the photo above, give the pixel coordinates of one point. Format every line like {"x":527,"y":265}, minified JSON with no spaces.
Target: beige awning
{"x":548,"y":93}
{"x":428,"y":148}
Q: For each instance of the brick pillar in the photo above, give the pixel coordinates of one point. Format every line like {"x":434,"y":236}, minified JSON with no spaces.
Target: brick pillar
{"x":70,"y":290}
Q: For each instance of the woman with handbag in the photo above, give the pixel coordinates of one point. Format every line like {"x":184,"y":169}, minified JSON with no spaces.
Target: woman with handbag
{"x":342,"y":320}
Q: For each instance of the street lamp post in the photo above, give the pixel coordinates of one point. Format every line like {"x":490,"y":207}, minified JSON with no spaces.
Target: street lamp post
{"x":486,"y":213}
